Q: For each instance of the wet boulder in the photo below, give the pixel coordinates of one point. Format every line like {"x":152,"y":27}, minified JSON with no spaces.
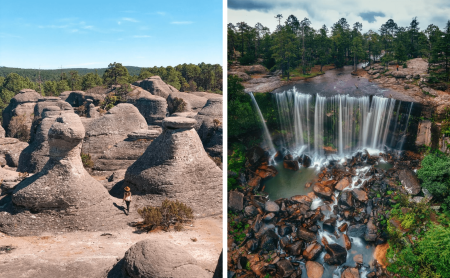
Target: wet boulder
{"x":356,"y":230}
{"x":256,"y":156}
{"x":291,"y":165}
{"x":284,"y":268}
{"x":347,"y":242}
{"x":360,"y":195}
{"x":371,"y":231}
{"x":313,"y":251}
{"x":305,"y":234}
{"x":314,"y":269}
{"x":284,"y":230}
{"x":351,"y":272}
{"x":409,"y":180}
{"x":345,"y":199}
{"x":295,"y":249}
{"x":336,"y":254}
{"x":302,"y":199}
{"x":324,"y":190}
{"x":329,"y":225}
{"x":269,"y":240}
{"x":306,"y":161}
{"x":271,"y":206}
{"x":342,"y":184}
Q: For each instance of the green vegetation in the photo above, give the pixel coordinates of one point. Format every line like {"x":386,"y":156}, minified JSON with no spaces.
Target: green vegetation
{"x":169,"y":213}
{"x":420,"y":247}
{"x":435,"y":176}
{"x":87,"y":160}
{"x":296,"y":46}
{"x":236,"y":162}
{"x":237,"y":229}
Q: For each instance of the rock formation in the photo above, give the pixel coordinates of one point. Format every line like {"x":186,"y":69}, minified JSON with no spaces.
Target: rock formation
{"x":35,"y":156}
{"x":192,"y":102}
{"x":78,"y":98}
{"x":152,"y":107}
{"x":10,"y":149}
{"x":63,"y":183}
{"x":209,"y":126}
{"x":155,"y":86}
{"x":2,"y":132}
{"x":158,"y":259}
{"x":21,"y":105}
{"x":176,"y":166}
{"x":107,"y":138}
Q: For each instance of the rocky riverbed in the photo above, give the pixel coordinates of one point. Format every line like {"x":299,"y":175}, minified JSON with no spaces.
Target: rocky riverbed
{"x":318,"y":234}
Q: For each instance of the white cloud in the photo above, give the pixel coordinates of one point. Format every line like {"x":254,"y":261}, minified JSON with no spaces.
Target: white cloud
{"x":129,"y":19}
{"x":161,"y":13}
{"x":141,"y":36}
{"x":181,"y":22}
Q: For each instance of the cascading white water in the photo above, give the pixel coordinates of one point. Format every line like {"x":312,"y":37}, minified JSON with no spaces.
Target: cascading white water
{"x":267,"y":136}
{"x":340,"y":124}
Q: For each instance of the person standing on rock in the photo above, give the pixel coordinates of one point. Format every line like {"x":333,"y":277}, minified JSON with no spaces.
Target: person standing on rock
{"x":127,"y":198}
{"x":397,"y":67}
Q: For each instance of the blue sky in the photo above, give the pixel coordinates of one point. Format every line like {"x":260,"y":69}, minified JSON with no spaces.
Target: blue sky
{"x":92,"y":34}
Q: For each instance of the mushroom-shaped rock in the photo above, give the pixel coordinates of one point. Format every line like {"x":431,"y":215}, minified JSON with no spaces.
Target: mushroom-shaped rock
{"x":155,"y":86}
{"x":179,"y":123}
{"x":63,"y":182}
{"x":21,"y":105}
{"x":175,"y":165}
{"x":107,"y":138}
{"x":157,"y":259}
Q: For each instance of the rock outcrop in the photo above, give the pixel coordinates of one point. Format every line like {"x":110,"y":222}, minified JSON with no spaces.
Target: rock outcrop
{"x":2,"y":132}
{"x":107,"y":138}
{"x":190,"y":102}
{"x":157,"y":259}
{"x":424,"y":134}
{"x":21,"y":105}
{"x":209,"y":126}
{"x":10,"y":149}
{"x":78,"y":98}
{"x":34,"y":157}
{"x":63,"y":183}
{"x":176,"y":166}
{"x":410,"y":182}
{"x":152,"y":107}
{"x":155,"y":86}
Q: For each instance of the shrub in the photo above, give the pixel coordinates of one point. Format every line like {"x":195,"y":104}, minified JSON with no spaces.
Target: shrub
{"x":435,"y":176}
{"x":169,"y":213}
{"x":217,"y":124}
{"x":178,"y":105}
{"x":434,"y":250}
{"x":19,"y":129}
{"x":87,"y":160}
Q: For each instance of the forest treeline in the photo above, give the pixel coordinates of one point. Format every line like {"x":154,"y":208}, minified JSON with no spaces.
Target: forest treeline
{"x":185,"y":77}
{"x":295,"y":44}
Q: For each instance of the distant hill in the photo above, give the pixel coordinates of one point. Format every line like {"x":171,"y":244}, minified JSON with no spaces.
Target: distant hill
{"x":56,"y":73}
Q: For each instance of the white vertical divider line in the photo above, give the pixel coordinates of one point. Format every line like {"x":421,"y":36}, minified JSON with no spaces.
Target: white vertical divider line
{"x":225,"y":138}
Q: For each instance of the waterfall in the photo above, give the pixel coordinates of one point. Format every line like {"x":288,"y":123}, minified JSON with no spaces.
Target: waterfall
{"x":340,"y":124}
{"x":402,"y":141}
{"x":267,"y":137}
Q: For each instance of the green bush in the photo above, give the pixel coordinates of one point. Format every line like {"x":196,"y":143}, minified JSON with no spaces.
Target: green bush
{"x":169,"y":213}
{"x":87,"y":160}
{"x":434,"y":250}
{"x":435,"y":176}
{"x":247,"y":59}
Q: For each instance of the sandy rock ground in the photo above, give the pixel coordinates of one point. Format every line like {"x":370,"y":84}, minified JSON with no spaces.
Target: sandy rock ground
{"x":99,"y":254}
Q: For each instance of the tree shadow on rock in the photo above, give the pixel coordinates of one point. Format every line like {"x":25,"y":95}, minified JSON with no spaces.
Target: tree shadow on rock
{"x":117,"y":271}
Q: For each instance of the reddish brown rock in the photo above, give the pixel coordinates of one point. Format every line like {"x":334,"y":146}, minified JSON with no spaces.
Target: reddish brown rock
{"x":291,"y":165}
{"x":358,"y":259}
{"x":360,"y":195}
{"x":342,"y":184}
{"x":303,"y":199}
{"x":348,"y":243}
{"x":350,"y":272}
{"x":255,"y":181}
{"x":266,"y":171}
{"x":314,"y":269}
{"x":312,"y":252}
{"x":323,"y":191}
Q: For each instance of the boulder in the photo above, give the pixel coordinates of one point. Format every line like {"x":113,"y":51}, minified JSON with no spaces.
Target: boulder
{"x":329,"y":225}
{"x":295,"y":249}
{"x":360,"y":195}
{"x":241,"y":75}
{"x":291,"y":165}
{"x":371,"y":231}
{"x":155,"y":86}
{"x":347,"y":242}
{"x":63,"y":182}
{"x":323,"y":190}
{"x":10,"y":150}
{"x":191,"y":102}
{"x":336,"y":254}
{"x":79,"y":98}
{"x":409,"y":180}
{"x":107,"y":140}
{"x":351,"y":272}
{"x":21,"y":105}
{"x":271,"y":206}
{"x":342,"y":184}
{"x":2,"y":132}
{"x":356,"y":230}
{"x":158,"y":258}
{"x":424,"y":133}
{"x":236,"y":201}
{"x":152,"y":107}
{"x":284,"y":268}
{"x":302,"y":199}
{"x":176,"y":166}
{"x":345,"y":199}
{"x":314,"y":269}
{"x":313,"y":251}
{"x":210,"y":127}
{"x":305,"y":234}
